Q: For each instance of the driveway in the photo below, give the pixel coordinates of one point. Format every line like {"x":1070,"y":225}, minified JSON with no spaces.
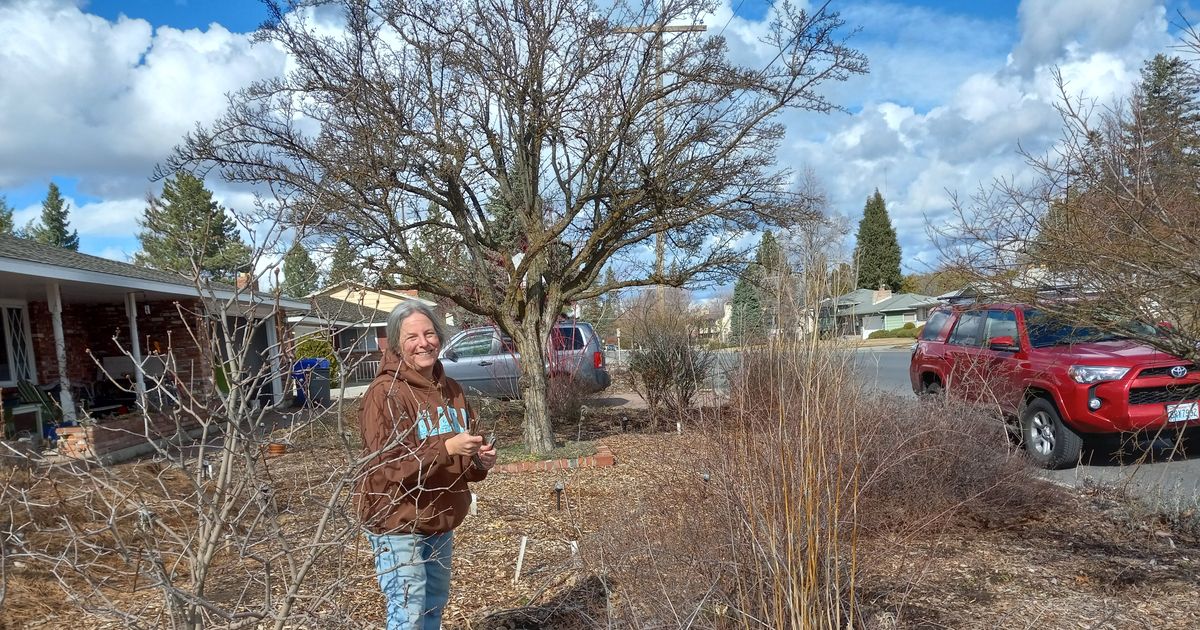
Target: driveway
{"x":1159,"y":477}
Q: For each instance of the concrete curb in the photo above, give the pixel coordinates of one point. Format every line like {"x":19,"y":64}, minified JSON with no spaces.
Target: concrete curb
{"x":602,"y":459}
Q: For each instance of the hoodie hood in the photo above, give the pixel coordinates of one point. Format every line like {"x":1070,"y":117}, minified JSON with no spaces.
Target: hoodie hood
{"x":393,"y":367}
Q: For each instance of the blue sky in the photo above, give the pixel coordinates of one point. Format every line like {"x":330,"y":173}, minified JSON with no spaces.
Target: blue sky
{"x":98,"y":91}
{"x":239,"y":16}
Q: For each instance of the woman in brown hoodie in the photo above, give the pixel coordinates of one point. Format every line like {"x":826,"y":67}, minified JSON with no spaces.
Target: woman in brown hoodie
{"x":416,"y":428}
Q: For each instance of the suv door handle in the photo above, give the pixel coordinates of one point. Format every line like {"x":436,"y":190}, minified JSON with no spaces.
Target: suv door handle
{"x":485,"y":363}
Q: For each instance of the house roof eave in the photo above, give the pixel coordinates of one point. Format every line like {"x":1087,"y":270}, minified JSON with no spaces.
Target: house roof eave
{"x":48,"y":271}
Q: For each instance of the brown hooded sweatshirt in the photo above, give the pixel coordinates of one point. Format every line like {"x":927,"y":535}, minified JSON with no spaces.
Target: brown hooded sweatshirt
{"x":411,"y":484}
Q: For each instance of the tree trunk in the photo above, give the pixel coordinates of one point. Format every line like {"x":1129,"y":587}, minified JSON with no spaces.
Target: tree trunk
{"x":539,"y":435}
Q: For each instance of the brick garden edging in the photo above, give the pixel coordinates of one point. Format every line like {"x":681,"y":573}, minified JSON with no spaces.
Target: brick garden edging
{"x":602,"y":459}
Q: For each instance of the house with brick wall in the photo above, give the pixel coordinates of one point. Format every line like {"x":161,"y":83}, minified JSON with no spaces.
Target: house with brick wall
{"x":72,"y":322}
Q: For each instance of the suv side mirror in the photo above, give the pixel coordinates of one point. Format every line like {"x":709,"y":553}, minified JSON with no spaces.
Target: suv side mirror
{"x":451,"y":355}
{"x":1003,"y":344}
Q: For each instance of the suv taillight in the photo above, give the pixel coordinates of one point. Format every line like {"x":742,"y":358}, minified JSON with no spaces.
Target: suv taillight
{"x":597,"y":360}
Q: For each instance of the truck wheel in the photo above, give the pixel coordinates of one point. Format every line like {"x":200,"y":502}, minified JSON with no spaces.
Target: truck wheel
{"x":932,"y":389}
{"x":1049,"y":442}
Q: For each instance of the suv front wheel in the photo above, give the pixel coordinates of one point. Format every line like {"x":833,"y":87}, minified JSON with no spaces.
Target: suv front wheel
{"x":1049,"y":442}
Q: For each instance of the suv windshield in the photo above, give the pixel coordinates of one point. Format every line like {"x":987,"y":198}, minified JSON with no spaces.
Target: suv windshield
{"x":1049,"y":330}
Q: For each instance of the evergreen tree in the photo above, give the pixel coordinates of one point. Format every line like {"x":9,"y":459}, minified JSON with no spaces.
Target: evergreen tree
{"x":343,"y":266}
{"x":877,"y":250}
{"x":776,"y":292}
{"x":54,"y":224}
{"x":770,"y":254}
{"x":187,"y":232}
{"x":6,"y":217}
{"x":602,"y":311}
{"x":1167,"y":101}
{"x":746,"y":322}
{"x":300,"y":275}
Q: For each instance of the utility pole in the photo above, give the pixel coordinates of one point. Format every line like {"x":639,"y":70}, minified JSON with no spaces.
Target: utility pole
{"x":658,"y":29}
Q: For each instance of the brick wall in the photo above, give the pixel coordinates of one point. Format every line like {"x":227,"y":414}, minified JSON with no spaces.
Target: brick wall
{"x":104,"y":329}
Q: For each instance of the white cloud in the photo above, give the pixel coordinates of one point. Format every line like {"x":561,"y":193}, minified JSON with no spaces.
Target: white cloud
{"x":109,"y":218}
{"x":1052,"y":30}
{"x":90,"y":98}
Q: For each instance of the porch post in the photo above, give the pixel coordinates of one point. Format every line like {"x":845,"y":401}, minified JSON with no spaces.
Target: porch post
{"x":273,"y":351}
{"x":135,"y":349}
{"x":54,"y":301}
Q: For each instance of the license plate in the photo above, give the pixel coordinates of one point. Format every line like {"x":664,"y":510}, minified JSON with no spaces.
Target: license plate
{"x":1183,"y":412}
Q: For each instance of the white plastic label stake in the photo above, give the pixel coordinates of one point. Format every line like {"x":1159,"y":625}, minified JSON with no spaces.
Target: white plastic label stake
{"x":520,"y":559}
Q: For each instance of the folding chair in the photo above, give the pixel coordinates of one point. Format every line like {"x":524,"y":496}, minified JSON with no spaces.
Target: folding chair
{"x":50,"y":412}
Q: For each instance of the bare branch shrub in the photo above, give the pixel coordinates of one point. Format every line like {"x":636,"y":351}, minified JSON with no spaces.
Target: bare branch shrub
{"x":668,"y":365}
{"x":205,"y":529}
{"x":795,"y":490}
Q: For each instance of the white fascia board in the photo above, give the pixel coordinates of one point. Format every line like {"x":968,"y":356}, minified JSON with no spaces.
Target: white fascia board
{"x":313,"y":320}
{"x":58,"y":272}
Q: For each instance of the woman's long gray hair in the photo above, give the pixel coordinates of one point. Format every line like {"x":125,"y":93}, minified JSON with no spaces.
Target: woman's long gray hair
{"x":403,"y":311}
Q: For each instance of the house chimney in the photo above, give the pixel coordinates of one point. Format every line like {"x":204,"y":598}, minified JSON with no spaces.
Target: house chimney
{"x":246,"y":281}
{"x":881,"y":294}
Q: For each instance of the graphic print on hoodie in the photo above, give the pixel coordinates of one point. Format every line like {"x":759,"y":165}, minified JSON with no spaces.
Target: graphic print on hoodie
{"x":411,"y":484}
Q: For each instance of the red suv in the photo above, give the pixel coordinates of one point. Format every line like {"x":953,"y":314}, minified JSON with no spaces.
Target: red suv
{"x":1060,"y":381}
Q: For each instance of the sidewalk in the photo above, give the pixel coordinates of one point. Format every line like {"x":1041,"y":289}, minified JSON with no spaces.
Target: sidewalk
{"x":883,"y":343}
{"x":354,"y":391}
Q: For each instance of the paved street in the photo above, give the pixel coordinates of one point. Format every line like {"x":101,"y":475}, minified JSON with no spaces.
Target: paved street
{"x":887,"y":370}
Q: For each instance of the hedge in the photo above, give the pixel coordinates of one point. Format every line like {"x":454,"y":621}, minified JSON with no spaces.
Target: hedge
{"x":909,"y":331}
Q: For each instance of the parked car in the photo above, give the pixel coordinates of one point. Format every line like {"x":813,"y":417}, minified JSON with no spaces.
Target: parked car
{"x":1059,"y":382}
{"x":484,"y":360}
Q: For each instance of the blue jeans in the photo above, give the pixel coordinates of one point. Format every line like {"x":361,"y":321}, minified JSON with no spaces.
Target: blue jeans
{"x":414,"y":574}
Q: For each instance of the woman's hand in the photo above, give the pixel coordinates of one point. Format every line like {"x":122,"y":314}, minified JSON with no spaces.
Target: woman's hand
{"x":464,"y":444}
{"x":486,"y":457}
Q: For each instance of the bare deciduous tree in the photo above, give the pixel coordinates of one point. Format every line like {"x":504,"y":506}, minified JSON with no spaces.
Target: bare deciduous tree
{"x":543,"y":136}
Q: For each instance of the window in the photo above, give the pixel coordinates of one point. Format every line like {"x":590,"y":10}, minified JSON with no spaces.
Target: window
{"x":358,"y":340}
{"x":969,"y":329}
{"x":567,"y":338}
{"x":477,"y":344}
{"x":1047,"y":329}
{"x":910,"y":317}
{"x":16,"y":355}
{"x":935,"y":325}
{"x":368,"y":342}
{"x":1002,"y":324}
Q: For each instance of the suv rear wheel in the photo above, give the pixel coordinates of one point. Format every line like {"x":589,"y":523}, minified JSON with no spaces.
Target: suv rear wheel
{"x":1049,"y":442}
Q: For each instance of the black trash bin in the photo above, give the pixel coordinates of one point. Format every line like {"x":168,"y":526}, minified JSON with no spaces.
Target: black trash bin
{"x":312,"y":382}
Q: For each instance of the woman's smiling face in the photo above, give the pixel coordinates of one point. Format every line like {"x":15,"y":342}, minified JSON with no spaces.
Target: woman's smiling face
{"x":419,"y":343}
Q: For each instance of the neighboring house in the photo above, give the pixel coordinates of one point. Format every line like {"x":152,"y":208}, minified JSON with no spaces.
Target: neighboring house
{"x":379,"y":299}
{"x":355,"y":317}
{"x":68,"y":317}
{"x":711,"y":319}
{"x":864,"y":311}
{"x":358,"y":333}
